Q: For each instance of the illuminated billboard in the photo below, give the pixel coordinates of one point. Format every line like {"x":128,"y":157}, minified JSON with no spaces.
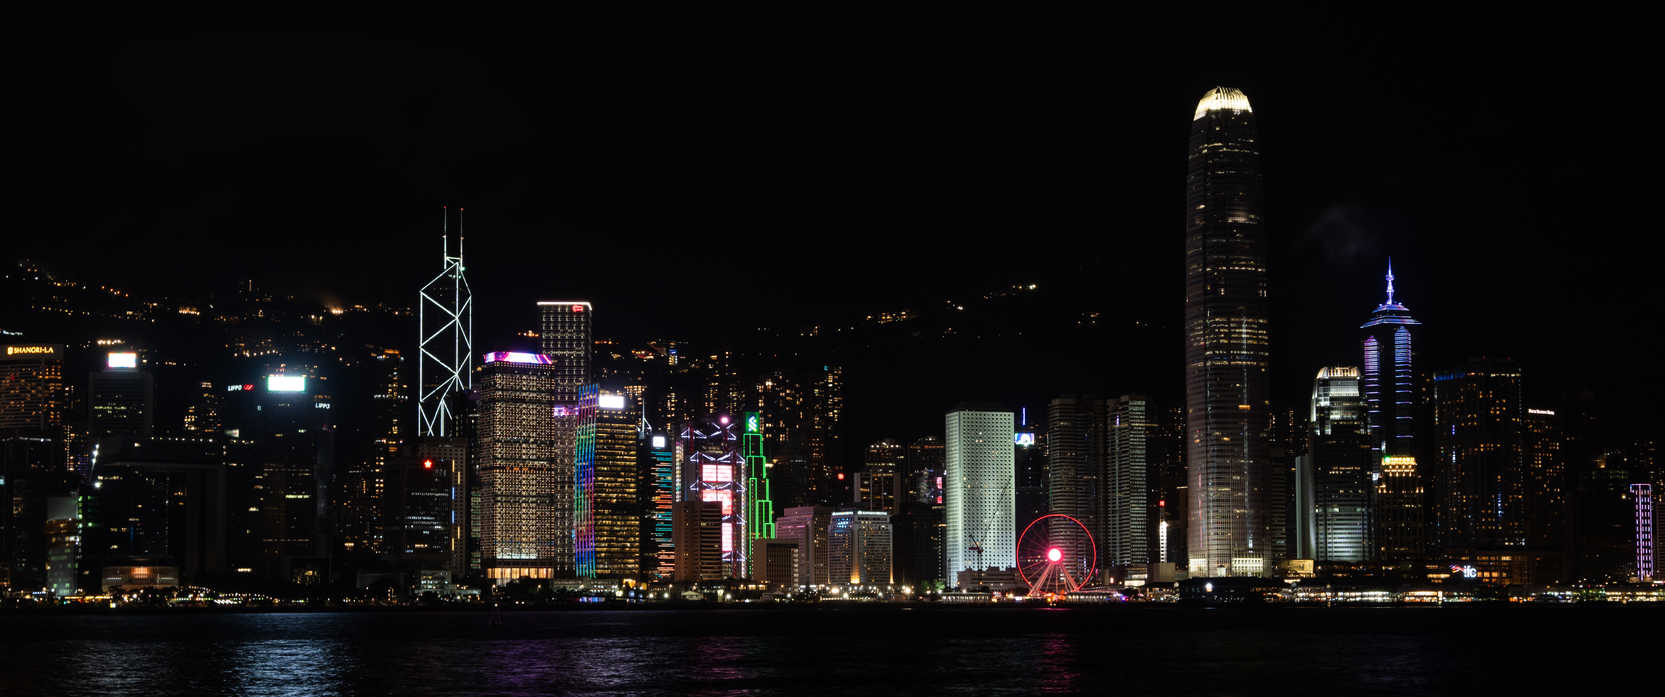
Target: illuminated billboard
{"x":122,"y":359}
{"x":610,"y":401}
{"x":285,"y":383}
{"x":517,"y":357}
{"x":1021,"y":438}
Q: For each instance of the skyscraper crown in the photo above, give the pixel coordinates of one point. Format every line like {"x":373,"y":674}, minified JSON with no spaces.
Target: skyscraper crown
{"x":1222,"y":98}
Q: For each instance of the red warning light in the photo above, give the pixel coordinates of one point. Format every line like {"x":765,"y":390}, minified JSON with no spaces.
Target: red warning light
{"x":577,"y":308}
{"x":1161,"y":503}
{"x":427,"y":464}
{"x":841,"y":476}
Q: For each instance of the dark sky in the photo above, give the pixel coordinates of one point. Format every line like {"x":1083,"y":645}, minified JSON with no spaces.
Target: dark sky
{"x":822,"y":167}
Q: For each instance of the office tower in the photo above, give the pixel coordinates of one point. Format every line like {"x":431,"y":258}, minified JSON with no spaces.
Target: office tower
{"x":63,"y":543}
{"x":858,"y":548}
{"x":525,"y":492}
{"x":1643,"y":495}
{"x":784,"y":406}
{"x":1546,"y":497}
{"x":1076,"y":442}
{"x":165,"y":500}
{"x":775,"y":564}
{"x":445,"y":338}
{"x":878,"y":486}
{"x":712,"y":469}
{"x":760,"y":504}
{"x":32,"y":389}
{"x":723,"y":392}
{"x":978,"y":491}
{"x":806,"y":526}
{"x":1031,"y":495}
{"x":364,"y":484}
{"x":1127,"y":508}
{"x":925,"y":465}
{"x":1389,"y":392}
{"x":825,"y":441}
{"x":1286,"y":439}
{"x":451,"y":458}
{"x":918,"y":536}
{"x":1226,"y":342}
{"x":1478,"y":418}
{"x":202,"y":414}
{"x":583,"y":481}
{"x":618,"y":533}
{"x":288,"y":422}
{"x":565,"y":335}
{"x":698,"y":531}
{"x":1333,"y":478}
{"x":662,"y":462}
{"x":121,"y":400}
{"x":420,"y":502}
{"x":1169,"y":483}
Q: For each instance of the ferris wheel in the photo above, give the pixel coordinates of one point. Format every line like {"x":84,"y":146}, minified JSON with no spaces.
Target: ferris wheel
{"x":1056,"y":555}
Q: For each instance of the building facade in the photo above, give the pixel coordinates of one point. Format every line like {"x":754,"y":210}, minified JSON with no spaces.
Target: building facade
{"x":859,"y":548}
{"x":1391,"y":407}
{"x":1478,"y":424}
{"x":525,"y":491}
{"x":1227,"y":345}
{"x":711,"y":468}
{"x":1333,"y":478}
{"x":617,"y":521}
{"x":978,"y":491}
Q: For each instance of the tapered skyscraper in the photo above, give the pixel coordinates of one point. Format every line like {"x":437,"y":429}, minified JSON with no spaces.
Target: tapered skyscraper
{"x":445,"y":337}
{"x":1226,"y":343}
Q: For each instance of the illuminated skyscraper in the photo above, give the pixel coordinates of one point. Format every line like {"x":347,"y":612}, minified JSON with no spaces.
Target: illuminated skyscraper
{"x":1478,"y":422}
{"x":760,"y":505}
{"x":1076,"y":442}
{"x":712,"y":469}
{"x":1643,"y":495}
{"x":1226,"y":342}
{"x":618,"y":539}
{"x":564,"y":335}
{"x":859,"y":548}
{"x":525,"y":492}
{"x":826,"y":412}
{"x":663,"y":476}
{"x":979,"y":491}
{"x":1332,"y":483}
{"x":1546,"y":497}
{"x":1389,"y":395}
{"x":445,"y":337}
{"x":878,"y":485}
{"x":806,"y":526}
{"x":1127,"y":514}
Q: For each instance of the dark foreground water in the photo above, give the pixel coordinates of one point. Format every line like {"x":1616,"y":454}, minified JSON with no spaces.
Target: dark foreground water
{"x":841,"y":651}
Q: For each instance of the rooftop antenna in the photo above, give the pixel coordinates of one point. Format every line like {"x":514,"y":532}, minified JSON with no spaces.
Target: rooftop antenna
{"x":1390,"y":281}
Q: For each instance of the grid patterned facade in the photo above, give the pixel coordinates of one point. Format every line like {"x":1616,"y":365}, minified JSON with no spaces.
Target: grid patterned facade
{"x":1226,"y":342}
{"x":31,"y":389}
{"x":1478,"y":418}
{"x":1075,"y":442}
{"x":618,"y":534}
{"x":978,"y":491}
{"x":664,"y":494}
{"x":859,"y":548}
{"x":525,"y":522}
{"x":1333,"y":478}
{"x":1127,"y":533}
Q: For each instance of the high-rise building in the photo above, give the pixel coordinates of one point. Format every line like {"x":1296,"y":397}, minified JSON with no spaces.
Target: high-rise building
{"x":878,"y":486}
{"x":1227,"y":344}
{"x":525,"y":491}
{"x":1643,"y":496}
{"x":662,"y":464}
{"x":1076,"y":442}
{"x":859,"y":548}
{"x":288,"y":421}
{"x":1546,"y":497}
{"x":565,"y":335}
{"x":121,"y":400}
{"x":1032,"y":495}
{"x":712,"y":469}
{"x":583,"y":483}
{"x":32,"y":396}
{"x":698,"y":532}
{"x":806,"y":526}
{"x":618,"y":542}
{"x":924,"y":465}
{"x":63,"y":544}
{"x":451,"y":459}
{"x":420,"y":502}
{"x":1127,"y":507}
{"x":1333,"y":478}
{"x":760,"y":504}
{"x":825,"y":441}
{"x":978,"y":491}
{"x":445,"y":341}
{"x":364,"y":484}
{"x":1389,"y":369}
{"x":1479,"y":419}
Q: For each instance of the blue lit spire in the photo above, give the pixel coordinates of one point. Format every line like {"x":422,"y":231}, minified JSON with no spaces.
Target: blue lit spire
{"x":1390,"y":281}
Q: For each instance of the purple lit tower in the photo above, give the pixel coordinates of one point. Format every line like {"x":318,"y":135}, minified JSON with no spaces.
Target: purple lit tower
{"x":1389,"y":411}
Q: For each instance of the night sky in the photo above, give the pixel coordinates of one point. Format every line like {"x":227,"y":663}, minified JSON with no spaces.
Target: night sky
{"x":701,"y":184}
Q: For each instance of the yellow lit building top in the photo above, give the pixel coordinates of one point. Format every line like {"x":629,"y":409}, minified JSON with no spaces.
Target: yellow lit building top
{"x":1222,"y":98}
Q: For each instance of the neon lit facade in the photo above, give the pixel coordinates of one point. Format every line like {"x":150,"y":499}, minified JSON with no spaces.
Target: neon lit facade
{"x":564,"y":336}
{"x":1390,"y":407}
{"x":1227,"y":350}
{"x":617,"y":497}
{"x":761,"y":507}
{"x":445,"y":336}
{"x":713,"y":470}
{"x":583,"y":484}
{"x":664,"y":488}
{"x":1643,"y":494}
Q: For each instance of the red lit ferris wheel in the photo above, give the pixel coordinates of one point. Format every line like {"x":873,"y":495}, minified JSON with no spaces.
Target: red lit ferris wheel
{"x":1056,"y":555}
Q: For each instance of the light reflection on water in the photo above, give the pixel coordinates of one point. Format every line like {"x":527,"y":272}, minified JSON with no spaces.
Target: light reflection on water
{"x":804,"y":654}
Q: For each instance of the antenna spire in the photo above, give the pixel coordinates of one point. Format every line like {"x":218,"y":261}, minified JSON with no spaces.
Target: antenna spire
{"x":1390,"y":281}
{"x":459,"y":234}
{"x":444,"y":231}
